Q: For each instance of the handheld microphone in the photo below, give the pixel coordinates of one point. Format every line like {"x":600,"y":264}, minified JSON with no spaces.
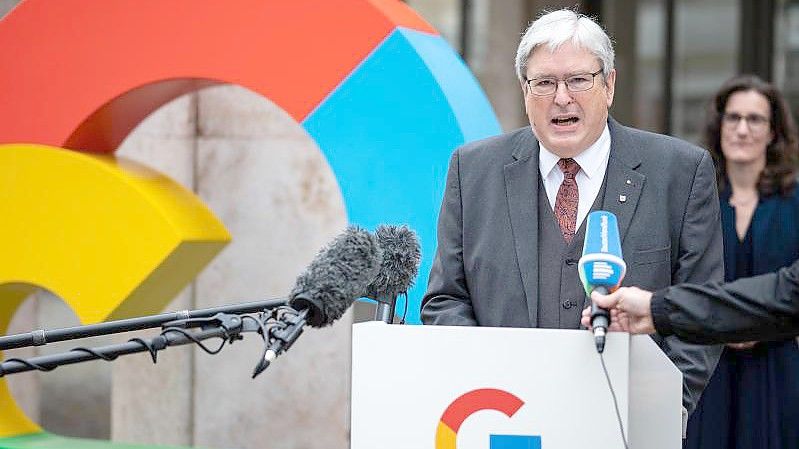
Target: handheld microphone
{"x":398,"y":268}
{"x":338,"y":275}
{"x":601,"y":267}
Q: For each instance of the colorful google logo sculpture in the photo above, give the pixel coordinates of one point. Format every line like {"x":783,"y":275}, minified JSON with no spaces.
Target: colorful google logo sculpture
{"x":382,"y":94}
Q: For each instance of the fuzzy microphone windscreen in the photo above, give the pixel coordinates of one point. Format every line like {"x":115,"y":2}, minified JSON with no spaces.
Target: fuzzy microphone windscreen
{"x":337,"y":276}
{"x":399,"y":264}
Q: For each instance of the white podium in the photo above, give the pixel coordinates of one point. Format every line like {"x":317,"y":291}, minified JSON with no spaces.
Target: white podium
{"x":441,"y":387}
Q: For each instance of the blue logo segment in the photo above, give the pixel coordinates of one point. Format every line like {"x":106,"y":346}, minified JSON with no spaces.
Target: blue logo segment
{"x":514,"y":442}
{"x":388,"y":132}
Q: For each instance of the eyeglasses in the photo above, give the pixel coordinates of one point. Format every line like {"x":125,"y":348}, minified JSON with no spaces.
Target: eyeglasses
{"x":548,"y":85}
{"x":756,"y":122}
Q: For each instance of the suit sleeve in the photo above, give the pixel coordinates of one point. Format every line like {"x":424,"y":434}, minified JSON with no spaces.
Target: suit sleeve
{"x":447,"y":300}
{"x":700,"y":259}
{"x":759,"y":308}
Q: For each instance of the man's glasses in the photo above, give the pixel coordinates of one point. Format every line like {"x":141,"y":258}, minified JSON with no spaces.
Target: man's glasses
{"x":548,"y":85}
{"x":756,"y":122}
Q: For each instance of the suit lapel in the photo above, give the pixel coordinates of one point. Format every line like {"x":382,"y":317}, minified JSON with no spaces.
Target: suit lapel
{"x":521,"y":188}
{"x":624,"y":183}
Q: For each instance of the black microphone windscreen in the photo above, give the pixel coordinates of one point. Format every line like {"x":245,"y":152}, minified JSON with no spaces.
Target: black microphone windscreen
{"x":399,"y":264}
{"x":337,"y":276}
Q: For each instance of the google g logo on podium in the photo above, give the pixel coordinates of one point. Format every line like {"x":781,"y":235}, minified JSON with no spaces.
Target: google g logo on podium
{"x":474,"y":401}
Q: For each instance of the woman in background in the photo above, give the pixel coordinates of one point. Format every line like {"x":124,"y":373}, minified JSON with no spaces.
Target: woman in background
{"x":752,"y":400}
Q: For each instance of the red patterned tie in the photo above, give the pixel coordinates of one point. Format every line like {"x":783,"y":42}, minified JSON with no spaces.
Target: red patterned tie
{"x":567,"y":199}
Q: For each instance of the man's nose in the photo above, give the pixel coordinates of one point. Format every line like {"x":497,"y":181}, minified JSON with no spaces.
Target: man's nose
{"x":562,"y":94}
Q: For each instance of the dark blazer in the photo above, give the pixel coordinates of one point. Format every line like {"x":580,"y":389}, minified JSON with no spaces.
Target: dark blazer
{"x":775,"y":237}
{"x":759,"y":308}
{"x":485,"y":270}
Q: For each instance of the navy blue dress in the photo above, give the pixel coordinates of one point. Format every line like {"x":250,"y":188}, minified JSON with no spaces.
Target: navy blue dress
{"x":752,"y":400}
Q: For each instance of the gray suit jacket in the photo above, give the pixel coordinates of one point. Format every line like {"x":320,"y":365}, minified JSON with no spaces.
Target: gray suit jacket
{"x":485,"y":271}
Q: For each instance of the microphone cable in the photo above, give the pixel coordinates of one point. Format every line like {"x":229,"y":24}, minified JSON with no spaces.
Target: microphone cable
{"x":615,"y":402}
{"x":152,"y":347}
{"x":405,"y":310}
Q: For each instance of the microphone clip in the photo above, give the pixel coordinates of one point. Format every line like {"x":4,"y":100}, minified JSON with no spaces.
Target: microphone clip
{"x":280,"y":330}
{"x":289,"y":327}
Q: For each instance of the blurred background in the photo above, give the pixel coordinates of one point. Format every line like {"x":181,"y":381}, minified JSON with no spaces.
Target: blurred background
{"x":225,"y":143}
{"x":671,"y":55}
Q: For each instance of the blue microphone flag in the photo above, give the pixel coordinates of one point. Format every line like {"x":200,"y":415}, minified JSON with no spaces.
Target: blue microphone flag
{"x":602,"y":264}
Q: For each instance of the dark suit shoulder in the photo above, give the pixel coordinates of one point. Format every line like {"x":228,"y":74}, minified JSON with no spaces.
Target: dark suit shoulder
{"x":656,"y":142}
{"x":498,"y":149}
{"x":657,"y":153}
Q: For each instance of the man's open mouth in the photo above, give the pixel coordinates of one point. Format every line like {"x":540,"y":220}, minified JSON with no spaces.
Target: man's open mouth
{"x":565,"y":120}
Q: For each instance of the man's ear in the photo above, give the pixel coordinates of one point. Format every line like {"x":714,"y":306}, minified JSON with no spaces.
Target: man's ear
{"x":610,"y":86}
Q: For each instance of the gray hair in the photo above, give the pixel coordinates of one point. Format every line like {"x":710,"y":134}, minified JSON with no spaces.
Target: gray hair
{"x":556,"y":28}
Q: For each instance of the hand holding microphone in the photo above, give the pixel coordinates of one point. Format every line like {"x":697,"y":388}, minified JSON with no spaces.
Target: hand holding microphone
{"x":601,"y":267}
{"x":630,"y":310}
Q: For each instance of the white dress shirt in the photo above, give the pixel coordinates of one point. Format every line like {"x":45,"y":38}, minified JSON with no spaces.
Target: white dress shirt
{"x":593,"y":165}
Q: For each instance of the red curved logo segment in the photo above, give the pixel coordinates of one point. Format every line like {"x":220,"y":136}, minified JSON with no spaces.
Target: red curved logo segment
{"x":144,"y":54}
{"x":469,"y":403}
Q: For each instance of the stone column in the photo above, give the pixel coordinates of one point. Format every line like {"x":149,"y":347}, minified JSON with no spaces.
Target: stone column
{"x":152,"y":404}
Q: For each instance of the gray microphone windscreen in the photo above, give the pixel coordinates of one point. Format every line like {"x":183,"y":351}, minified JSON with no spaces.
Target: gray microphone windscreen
{"x":399,"y":264}
{"x":337,"y":276}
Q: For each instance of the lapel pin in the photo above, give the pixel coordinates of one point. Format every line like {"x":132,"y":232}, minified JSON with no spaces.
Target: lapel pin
{"x":622,"y":198}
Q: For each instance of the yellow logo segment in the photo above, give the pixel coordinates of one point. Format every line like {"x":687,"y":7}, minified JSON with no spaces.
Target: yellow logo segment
{"x":140,"y":236}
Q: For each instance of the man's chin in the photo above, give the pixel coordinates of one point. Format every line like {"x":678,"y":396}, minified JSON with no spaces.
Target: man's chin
{"x":564,"y":147}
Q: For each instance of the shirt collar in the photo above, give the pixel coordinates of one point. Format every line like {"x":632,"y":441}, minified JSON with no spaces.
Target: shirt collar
{"x":590,"y":159}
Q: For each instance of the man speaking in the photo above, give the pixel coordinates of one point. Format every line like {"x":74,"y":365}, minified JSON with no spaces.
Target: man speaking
{"x":511,"y":227}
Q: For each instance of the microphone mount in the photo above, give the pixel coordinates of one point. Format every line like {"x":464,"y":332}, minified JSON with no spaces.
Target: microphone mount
{"x":279,"y":327}
{"x":42,"y":336}
{"x":385,"y":308}
{"x":286,"y":326}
